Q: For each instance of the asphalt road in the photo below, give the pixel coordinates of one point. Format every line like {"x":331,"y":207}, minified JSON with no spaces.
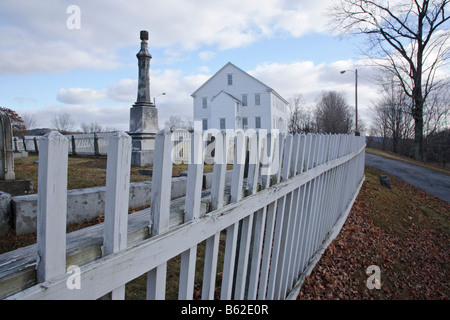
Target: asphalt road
{"x":432,"y":182}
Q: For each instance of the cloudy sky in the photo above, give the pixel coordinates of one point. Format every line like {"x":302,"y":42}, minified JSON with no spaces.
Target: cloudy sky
{"x":52,"y":63}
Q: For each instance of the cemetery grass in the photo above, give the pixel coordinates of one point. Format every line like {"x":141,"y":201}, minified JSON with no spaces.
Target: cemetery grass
{"x":85,"y":171}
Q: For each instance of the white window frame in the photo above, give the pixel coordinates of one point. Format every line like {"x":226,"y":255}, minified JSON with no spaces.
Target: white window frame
{"x":256,"y":122}
{"x":257,"y":99}
{"x":244,"y":126}
{"x":230,"y":79}
{"x":244,"y":100}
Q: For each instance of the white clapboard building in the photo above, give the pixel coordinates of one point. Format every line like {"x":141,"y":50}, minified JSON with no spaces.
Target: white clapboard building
{"x":233,"y":99}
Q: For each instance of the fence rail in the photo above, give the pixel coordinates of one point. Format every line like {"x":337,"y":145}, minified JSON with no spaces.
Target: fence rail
{"x":81,"y":144}
{"x":278,"y":215}
{"x":97,"y":144}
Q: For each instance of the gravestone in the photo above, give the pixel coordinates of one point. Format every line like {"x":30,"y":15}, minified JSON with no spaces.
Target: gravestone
{"x":6,"y":148}
{"x":8,"y":181}
{"x":384,"y":181}
{"x":143,"y":114}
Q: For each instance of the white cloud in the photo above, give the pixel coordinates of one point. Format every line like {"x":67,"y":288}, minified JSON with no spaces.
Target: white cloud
{"x":203,"y":69}
{"x":289,"y":79}
{"x":301,"y":77}
{"x":112,"y":116}
{"x":80,"y":95}
{"x":34,"y":36}
{"x":206,"y":55}
{"x":81,"y":103}
{"x":124,"y":91}
{"x":310,"y":80}
{"x":52,"y":57}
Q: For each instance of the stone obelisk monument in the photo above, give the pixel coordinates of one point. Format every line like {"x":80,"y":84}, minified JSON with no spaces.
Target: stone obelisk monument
{"x":143,"y":114}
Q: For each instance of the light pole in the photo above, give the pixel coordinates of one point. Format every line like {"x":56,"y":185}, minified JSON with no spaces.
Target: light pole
{"x":356,"y":98}
{"x":154,"y":98}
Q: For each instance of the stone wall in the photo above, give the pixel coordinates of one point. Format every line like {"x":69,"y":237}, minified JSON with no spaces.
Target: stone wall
{"x":19,"y":212}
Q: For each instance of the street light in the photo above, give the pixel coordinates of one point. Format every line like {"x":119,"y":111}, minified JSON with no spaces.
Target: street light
{"x":356,"y":98}
{"x":154,"y":98}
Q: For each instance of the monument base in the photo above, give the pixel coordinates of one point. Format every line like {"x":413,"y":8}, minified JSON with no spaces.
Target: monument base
{"x":142,"y":158}
{"x":144,"y":118}
{"x":142,"y":141}
{"x":16,"y":187}
{"x":143,"y":129}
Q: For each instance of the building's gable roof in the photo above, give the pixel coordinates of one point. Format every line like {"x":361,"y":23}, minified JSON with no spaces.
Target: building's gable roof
{"x":269,"y":89}
{"x":229,"y":95}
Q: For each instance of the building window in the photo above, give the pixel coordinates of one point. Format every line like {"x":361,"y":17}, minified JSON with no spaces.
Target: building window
{"x":230,"y":79}
{"x":244,"y":100}
{"x":281,"y":124}
{"x":205,"y":124}
{"x":257,"y":99}
{"x":258,"y":122}
{"x":222,"y":123}
{"x":244,"y":123}
{"x":204,"y":102}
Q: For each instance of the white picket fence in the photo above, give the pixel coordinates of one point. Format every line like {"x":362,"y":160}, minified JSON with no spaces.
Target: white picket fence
{"x":276,"y":219}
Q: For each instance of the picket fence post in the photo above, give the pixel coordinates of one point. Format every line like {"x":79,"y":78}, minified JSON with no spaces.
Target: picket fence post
{"x":259,"y":221}
{"x":245,"y":232}
{"x":275,"y":145}
{"x":236,"y":194}
{"x":160,"y":208}
{"x":192,"y":212}
{"x":217,"y":198}
{"x":117,"y":197}
{"x":52,"y":206}
{"x":280,"y":226}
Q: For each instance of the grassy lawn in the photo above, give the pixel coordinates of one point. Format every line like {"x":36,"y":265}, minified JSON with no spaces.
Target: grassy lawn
{"x":86,"y":171}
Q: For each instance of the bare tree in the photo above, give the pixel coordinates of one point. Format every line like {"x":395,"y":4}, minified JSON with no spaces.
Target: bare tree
{"x":408,"y":38}
{"x":91,"y":127}
{"x":437,"y":120}
{"x":301,"y":119}
{"x":392,"y":114}
{"x":175,"y":122}
{"x":332,"y":113}
{"x":379,"y":126}
{"x":29,"y":121}
{"x":63,"y":122}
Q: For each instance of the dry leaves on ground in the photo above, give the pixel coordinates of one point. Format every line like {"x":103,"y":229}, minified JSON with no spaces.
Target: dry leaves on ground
{"x":408,"y":242}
